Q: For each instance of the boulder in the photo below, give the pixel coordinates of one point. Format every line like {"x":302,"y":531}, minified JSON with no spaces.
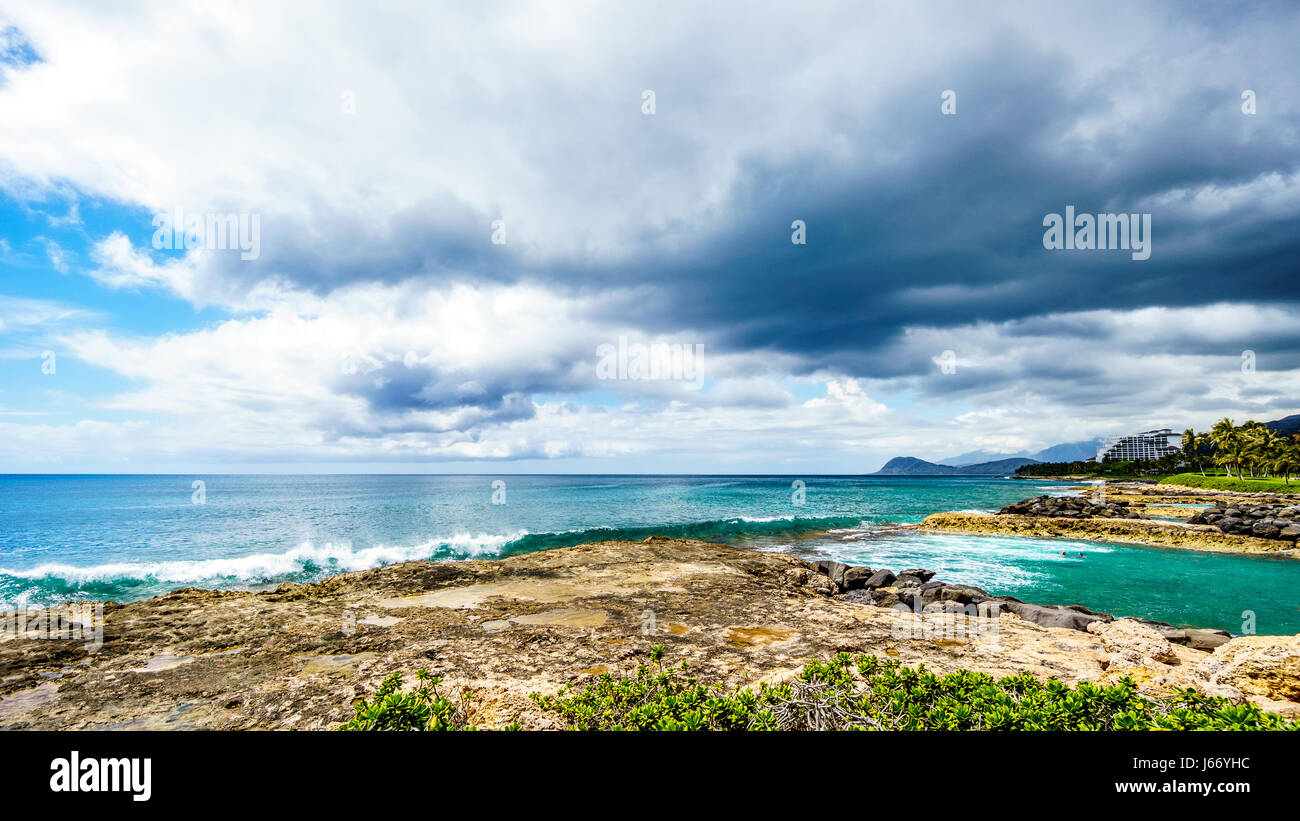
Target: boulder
{"x":1132,"y":643}
{"x":922,"y":576}
{"x":910,"y":596}
{"x":831,"y":570}
{"x":1047,"y":615}
{"x":856,"y":577}
{"x":1066,"y":507}
{"x":886,"y":599}
{"x":1264,"y":666}
{"x":1201,"y":639}
{"x":820,"y":584}
{"x":1265,"y":529}
{"x":963,"y":594}
{"x":803,"y":577}
{"x":881,"y":578}
{"x":860,"y":596}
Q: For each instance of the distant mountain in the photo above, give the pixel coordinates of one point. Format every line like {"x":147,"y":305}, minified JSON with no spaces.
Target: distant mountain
{"x":911,"y":466}
{"x":976,"y":457}
{"x":1286,"y":426}
{"x":1064,"y":452}
{"x":1071,"y":451}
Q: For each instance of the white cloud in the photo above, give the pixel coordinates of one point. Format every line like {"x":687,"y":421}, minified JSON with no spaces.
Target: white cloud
{"x":531,"y":113}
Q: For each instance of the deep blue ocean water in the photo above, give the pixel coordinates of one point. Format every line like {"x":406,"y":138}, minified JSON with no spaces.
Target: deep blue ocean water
{"x":129,"y":537}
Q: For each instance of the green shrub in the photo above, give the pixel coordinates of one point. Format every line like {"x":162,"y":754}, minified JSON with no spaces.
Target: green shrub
{"x":421,"y":709}
{"x":840,"y":694}
{"x":869,"y":694}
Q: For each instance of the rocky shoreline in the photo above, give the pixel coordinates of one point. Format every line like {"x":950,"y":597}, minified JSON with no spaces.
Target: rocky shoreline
{"x":299,"y":656}
{"x":1244,"y":523}
{"x":915,"y":590}
{"x":1265,"y":521}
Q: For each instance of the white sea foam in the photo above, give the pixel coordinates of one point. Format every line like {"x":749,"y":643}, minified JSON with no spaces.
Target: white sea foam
{"x":337,"y":558}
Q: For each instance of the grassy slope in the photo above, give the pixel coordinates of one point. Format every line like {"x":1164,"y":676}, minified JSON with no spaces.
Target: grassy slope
{"x":1231,"y":483}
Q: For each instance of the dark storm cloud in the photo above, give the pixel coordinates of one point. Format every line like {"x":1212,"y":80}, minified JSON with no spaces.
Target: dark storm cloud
{"x":913,"y":218}
{"x":934,"y":220}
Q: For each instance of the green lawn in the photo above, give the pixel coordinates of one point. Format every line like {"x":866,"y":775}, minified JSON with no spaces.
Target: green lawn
{"x":1231,"y":483}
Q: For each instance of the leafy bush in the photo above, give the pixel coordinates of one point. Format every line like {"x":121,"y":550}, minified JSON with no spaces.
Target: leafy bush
{"x":658,"y":699}
{"x":421,"y":709}
{"x":869,"y":694}
{"x":840,"y":694}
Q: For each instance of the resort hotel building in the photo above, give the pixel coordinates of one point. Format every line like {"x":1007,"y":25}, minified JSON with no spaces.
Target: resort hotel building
{"x":1149,"y":444}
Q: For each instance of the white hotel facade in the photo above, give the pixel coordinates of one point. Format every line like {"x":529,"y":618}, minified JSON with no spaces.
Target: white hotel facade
{"x":1149,"y":444}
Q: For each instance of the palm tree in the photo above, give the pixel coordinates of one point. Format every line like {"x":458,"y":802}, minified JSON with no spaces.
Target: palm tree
{"x":1191,"y":445}
{"x":1287,"y":460}
{"x":1265,"y":446}
{"x":1227,"y":439}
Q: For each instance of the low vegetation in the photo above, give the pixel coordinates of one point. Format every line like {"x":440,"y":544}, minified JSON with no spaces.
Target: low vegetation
{"x":840,"y":694}
{"x":423,"y":708}
{"x":1231,"y":483}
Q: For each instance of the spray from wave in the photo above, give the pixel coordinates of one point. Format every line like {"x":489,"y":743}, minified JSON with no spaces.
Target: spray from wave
{"x":50,"y":584}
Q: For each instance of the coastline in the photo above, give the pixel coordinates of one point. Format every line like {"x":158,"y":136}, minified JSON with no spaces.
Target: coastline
{"x":1128,"y":521}
{"x":298,"y":656}
{"x":1140,"y":532}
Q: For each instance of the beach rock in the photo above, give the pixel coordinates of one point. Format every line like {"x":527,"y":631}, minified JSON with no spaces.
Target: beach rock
{"x":855,"y":578}
{"x":1132,"y":643}
{"x":910,"y":596}
{"x":881,"y":578}
{"x":1202,"y":639}
{"x":1264,"y":529}
{"x":887,"y":599}
{"x":930,"y":591}
{"x":860,"y":596}
{"x":1131,"y":531}
{"x":821,"y":585}
{"x":815,"y":582}
{"x":1265,"y":666}
{"x":1067,"y":507}
{"x":1268,"y":520}
{"x":1055,"y":615}
{"x":832,"y":570}
{"x":963,"y":594}
{"x":921,"y":576}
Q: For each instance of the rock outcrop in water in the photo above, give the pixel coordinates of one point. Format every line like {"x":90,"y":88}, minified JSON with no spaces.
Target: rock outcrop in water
{"x":1263,"y":521}
{"x":915,"y":590}
{"x":298,"y":656}
{"x":1127,"y":531}
{"x":1068,"y":507}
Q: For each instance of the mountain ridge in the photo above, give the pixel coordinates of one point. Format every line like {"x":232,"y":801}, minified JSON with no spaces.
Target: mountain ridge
{"x":911,"y":466}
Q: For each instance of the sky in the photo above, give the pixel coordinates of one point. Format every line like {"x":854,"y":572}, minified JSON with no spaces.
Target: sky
{"x":448,"y":218}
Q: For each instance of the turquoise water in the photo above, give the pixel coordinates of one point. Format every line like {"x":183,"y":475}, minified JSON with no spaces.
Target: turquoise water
{"x":129,"y":537}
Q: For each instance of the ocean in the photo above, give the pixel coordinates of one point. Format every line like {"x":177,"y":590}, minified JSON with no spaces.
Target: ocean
{"x":122,"y":538}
